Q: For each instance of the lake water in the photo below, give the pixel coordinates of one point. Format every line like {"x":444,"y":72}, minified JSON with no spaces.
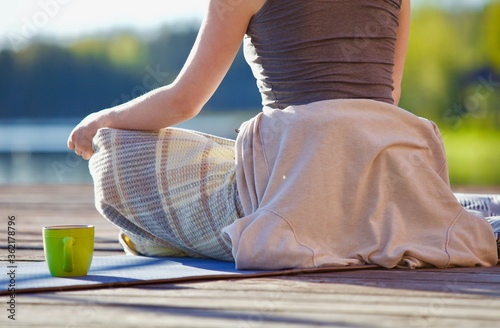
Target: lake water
{"x":42,"y":168}
{"x":36,"y":153}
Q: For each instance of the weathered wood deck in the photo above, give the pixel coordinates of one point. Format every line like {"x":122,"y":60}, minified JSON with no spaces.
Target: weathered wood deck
{"x":465,"y":297}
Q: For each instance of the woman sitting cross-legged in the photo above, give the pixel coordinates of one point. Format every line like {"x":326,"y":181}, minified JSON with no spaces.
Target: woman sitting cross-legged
{"x":331,"y":172}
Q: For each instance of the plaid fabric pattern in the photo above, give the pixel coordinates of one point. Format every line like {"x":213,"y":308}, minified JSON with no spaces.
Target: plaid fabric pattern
{"x":169,"y":191}
{"x":487,"y":206}
{"x":483,"y":205}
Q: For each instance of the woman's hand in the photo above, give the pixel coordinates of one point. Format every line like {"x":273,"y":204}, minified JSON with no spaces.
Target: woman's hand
{"x":80,"y":139}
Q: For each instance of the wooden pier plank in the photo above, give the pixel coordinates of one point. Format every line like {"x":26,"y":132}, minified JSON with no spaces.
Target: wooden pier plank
{"x":458,"y":297}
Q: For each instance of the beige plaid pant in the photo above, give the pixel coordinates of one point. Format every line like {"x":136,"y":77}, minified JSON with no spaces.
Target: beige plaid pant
{"x":170,"y":191}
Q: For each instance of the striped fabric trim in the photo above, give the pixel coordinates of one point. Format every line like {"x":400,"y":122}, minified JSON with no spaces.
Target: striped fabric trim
{"x":485,"y":205}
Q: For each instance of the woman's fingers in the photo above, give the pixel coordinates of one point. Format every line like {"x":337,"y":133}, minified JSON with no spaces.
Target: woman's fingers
{"x":80,"y":139}
{"x":85,"y":152}
{"x":82,"y":147}
{"x":70,"y":143}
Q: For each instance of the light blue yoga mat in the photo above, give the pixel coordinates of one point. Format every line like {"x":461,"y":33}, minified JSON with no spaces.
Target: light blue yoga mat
{"x":126,"y":270}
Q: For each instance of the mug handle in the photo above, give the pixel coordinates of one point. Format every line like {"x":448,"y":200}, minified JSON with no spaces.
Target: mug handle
{"x":68,"y":254}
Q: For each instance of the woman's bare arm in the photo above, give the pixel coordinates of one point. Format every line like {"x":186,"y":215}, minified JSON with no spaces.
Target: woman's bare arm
{"x":401,"y":47}
{"x":218,"y":41}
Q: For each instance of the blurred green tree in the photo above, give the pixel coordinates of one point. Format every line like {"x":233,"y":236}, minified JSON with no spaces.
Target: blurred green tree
{"x":452,"y":66}
{"x":490,"y":30}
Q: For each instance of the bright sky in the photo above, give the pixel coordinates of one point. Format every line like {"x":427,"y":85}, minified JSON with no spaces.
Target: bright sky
{"x":21,"y":21}
{"x":28,"y":19}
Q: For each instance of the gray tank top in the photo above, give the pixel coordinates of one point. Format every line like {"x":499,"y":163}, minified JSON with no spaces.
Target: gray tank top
{"x":302,"y":51}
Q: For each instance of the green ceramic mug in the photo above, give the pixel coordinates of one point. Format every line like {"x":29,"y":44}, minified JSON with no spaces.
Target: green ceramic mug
{"x":68,"y":249}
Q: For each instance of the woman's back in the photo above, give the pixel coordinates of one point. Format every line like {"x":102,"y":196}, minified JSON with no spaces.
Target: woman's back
{"x":310,"y":50}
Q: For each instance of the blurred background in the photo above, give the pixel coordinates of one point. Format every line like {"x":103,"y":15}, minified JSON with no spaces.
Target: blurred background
{"x":60,"y":60}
